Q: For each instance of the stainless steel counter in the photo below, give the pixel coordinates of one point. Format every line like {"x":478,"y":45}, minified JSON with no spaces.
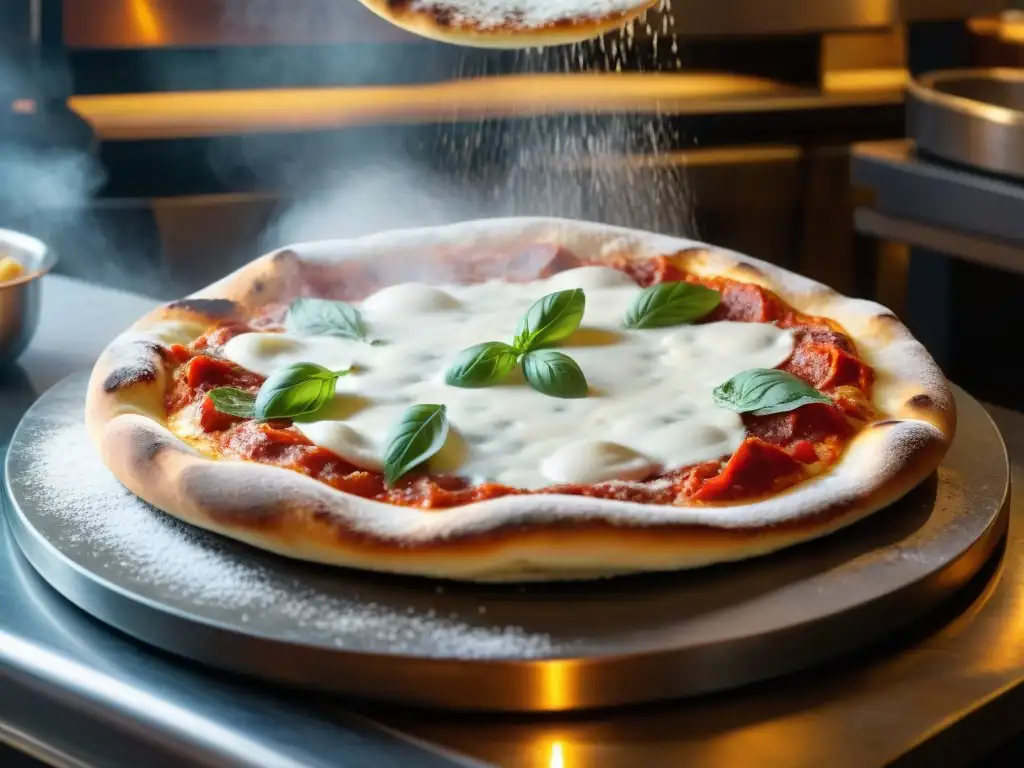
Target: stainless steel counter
{"x":78,"y":694}
{"x":946,"y":694}
{"x":73,"y":693}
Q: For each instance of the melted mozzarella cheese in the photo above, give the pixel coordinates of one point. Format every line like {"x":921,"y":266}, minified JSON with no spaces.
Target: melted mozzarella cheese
{"x":650,"y":405}
{"x":353,"y":446}
{"x":596,"y":461}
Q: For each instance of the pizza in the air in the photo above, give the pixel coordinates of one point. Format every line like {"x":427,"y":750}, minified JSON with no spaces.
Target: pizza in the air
{"x":509,"y":23}
{"x":519,"y":399}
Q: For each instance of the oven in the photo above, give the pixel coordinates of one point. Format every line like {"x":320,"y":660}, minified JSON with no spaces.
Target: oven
{"x":209,"y":131}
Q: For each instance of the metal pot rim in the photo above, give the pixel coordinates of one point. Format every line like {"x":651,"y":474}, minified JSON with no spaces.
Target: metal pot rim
{"x":43,"y":258}
{"x":926,"y":88}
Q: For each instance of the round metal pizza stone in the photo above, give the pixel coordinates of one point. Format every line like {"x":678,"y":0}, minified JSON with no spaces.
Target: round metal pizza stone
{"x":538,"y":647}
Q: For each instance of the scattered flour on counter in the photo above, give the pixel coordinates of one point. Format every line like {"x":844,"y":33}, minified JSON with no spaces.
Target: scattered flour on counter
{"x":105,"y":528}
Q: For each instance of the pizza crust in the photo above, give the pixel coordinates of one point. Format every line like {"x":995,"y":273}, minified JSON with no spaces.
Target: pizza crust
{"x":513,"y":538}
{"x":505,"y":24}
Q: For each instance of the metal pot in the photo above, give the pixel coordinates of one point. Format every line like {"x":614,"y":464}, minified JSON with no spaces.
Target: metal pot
{"x":20,"y":298}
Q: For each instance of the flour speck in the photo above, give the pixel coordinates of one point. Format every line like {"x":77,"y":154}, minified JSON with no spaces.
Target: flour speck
{"x":69,"y":494}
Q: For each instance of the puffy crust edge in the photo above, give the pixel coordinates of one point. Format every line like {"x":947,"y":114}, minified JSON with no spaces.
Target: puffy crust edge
{"x":515,"y":538}
{"x":571,"y":30}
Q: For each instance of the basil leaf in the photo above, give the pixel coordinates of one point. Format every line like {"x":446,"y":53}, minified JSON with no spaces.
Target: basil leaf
{"x":551,"y":319}
{"x":296,"y":390}
{"x":419,"y":434}
{"x":322,"y":317}
{"x":674,"y":303}
{"x":233,"y":401}
{"x":552,"y":373}
{"x":482,"y":364}
{"x":764,"y":391}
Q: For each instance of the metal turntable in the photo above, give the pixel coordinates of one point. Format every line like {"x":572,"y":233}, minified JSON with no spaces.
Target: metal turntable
{"x":536,"y":648}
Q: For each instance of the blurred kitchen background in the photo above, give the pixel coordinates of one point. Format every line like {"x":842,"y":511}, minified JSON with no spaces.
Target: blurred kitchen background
{"x":157,"y":144}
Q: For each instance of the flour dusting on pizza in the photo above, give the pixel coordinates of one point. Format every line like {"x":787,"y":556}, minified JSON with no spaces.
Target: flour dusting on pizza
{"x":519,"y":399}
{"x":509,"y":23}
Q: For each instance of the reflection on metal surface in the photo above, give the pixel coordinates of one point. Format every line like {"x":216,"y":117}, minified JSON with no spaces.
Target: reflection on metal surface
{"x":980,"y":250}
{"x":557,"y":758}
{"x":631,"y":640}
{"x":1008,"y":27}
{"x":27,"y":745}
{"x":887,"y":706}
{"x":180,"y":115}
{"x":556,"y":684}
{"x":147,"y":22}
{"x":974,"y":117}
{"x":87,"y":687}
{"x":218,"y":113}
{"x":864,"y":61}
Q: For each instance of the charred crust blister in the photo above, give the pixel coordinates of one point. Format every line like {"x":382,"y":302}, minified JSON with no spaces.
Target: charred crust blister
{"x":921,"y":402}
{"x":443,"y":16}
{"x":209,"y":307}
{"x":147,"y":447}
{"x":255,"y":516}
{"x":129,"y":375}
{"x":749,"y":269}
{"x":142,"y":368}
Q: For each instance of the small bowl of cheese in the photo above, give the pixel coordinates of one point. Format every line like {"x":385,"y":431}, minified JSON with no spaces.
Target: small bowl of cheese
{"x":23,"y":262}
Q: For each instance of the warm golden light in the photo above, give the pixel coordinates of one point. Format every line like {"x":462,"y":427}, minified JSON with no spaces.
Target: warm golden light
{"x":557,"y":759}
{"x":557,"y":684}
{"x":213,"y":113}
{"x":147,"y":21}
{"x":1009,"y":28}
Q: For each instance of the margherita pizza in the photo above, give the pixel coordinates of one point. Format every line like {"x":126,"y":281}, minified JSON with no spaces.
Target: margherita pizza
{"x":519,"y":399}
{"x":509,"y":23}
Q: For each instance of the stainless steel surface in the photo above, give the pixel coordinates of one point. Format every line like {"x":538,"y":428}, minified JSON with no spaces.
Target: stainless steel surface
{"x":942,"y":696}
{"x":79,"y":694}
{"x":979,"y":250}
{"x":945,"y":694}
{"x":971,"y":116}
{"x":902,"y":183}
{"x":146,"y":23}
{"x":481,"y":647}
{"x":20,"y":298}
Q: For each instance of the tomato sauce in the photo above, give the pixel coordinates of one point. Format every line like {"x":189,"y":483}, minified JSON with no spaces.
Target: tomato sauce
{"x":779,"y":451}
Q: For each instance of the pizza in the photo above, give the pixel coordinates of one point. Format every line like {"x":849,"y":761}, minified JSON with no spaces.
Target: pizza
{"x":518,"y":399}
{"x":509,"y":23}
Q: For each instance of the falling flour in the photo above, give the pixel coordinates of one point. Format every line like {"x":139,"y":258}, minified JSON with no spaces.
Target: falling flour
{"x":92,"y":519}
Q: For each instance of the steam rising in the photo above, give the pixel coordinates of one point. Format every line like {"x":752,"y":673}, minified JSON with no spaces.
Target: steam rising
{"x":601,"y":167}
{"x":608,"y":168}
{"x":38,"y":175}
{"x":48,"y":181}
{"x":372,"y":198}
